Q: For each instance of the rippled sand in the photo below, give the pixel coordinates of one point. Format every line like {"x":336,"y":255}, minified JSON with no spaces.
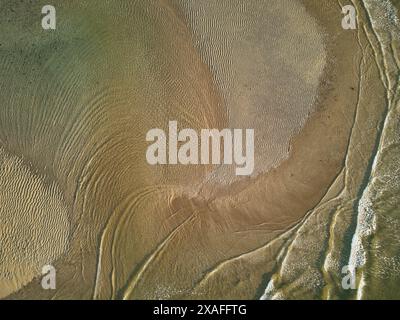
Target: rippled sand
{"x":76,"y":190}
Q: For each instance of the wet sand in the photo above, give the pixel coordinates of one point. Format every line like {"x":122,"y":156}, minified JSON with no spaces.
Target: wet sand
{"x":117,"y":69}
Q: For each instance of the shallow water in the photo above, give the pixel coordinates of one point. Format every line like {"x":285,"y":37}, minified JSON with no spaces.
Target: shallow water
{"x":266,"y":59}
{"x":369,"y":242}
{"x":76,"y":190}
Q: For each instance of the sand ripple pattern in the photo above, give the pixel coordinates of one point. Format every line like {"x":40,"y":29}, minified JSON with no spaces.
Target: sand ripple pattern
{"x":76,"y":190}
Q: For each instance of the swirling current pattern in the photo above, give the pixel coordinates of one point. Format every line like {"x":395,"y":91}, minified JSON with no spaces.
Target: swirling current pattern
{"x":76,"y":191}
